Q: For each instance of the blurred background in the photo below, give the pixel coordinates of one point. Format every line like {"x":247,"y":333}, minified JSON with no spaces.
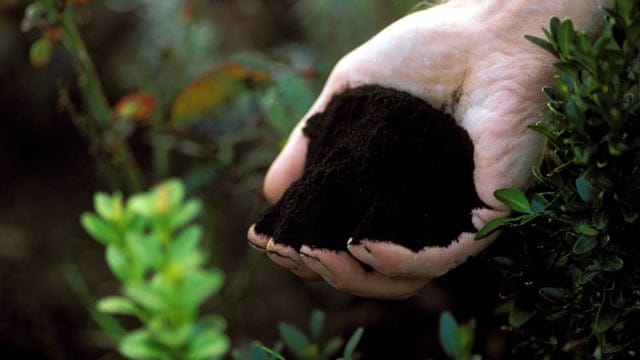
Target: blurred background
{"x":228,"y":80}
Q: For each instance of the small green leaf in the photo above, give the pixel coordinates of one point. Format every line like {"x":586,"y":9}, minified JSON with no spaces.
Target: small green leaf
{"x":520,"y":313}
{"x":566,"y":35}
{"x":208,"y":345}
{"x":145,"y":249}
{"x":41,"y":52}
{"x":184,"y":249}
{"x":607,"y":316}
{"x":542,"y":43}
{"x":185,"y":214}
{"x":587,"y":230}
{"x":197,"y":286}
{"x":584,"y":244}
{"x":117,"y":262}
{"x":352,"y":344}
{"x":449,"y":335}
{"x":146,"y":296}
{"x":553,"y":295}
{"x":586,"y":191}
{"x":491,"y":226}
{"x":104,"y":205}
{"x":100,"y":230}
{"x":139,"y":344}
{"x":514,"y":199}
{"x":117,"y":305}
{"x":611,"y":263}
{"x":315,"y":325}
{"x":294,"y":339}
{"x":331,"y":348}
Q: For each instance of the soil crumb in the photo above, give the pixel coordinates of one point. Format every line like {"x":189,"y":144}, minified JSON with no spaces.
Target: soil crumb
{"x":381,"y":165}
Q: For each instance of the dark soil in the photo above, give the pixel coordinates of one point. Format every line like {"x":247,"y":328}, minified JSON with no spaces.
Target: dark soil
{"x":381,"y":164}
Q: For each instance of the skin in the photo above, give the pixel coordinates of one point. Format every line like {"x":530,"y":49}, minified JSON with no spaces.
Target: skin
{"x":469,"y":58}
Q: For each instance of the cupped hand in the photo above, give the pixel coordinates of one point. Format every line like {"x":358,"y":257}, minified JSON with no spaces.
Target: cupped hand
{"x":468,"y":58}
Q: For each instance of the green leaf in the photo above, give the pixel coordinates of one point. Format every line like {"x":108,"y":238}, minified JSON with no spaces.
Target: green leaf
{"x":566,"y":35}
{"x":315,"y":326}
{"x":147,"y":296}
{"x":331,"y":348}
{"x":185,"y":214}
{"x":611,"y":263}
{"x":139,"y":344}
{"x":586,"y":191}
{"x":449,"y":335}
{"x":491,"y":226}
{"x":208,"y":345}
{"x":520,"y":313}
{"x":171,"y":336}
{"x":118,"y":262}
{"x":184,"y":249}
{"x":41,"y":52}
{"x":607,"y":316}
{"x":117,"y":305}
{"x":197,"y":286}
{"x":99,"y":229}
{"x":542,"y":43}
{"x":514,"y":199}
{"x":584,"y":244}
{"x":294,"y":339}
{"x":585,"y":229}
{"x":274,"y":354}
{"x":145,"y":249}
{"x":553,"y":295}
{"x":352,"y":344}
{"x":104,"y":205}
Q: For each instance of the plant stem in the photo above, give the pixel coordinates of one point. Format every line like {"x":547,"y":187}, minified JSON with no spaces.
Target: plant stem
{"x":94,"y":98}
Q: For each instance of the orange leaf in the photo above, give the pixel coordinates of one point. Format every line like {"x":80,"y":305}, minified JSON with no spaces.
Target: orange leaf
{"x":52,"y":33}
{"x":135,"y":106}
{"x":212,"y":89}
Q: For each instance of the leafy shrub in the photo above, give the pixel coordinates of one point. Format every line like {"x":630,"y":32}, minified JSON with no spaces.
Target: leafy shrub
{"x":153,"y":250}
{"x":573,"y":278}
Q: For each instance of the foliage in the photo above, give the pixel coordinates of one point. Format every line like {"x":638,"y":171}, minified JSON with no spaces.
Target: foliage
{"x":457,"y":339}
{"x":190,"y":106}
{"x":154,"y":252}
{"x":573,"y":280}
{"x":303,"y":346}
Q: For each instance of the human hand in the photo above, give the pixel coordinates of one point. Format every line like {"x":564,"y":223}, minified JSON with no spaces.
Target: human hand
{"x":470,"y":59}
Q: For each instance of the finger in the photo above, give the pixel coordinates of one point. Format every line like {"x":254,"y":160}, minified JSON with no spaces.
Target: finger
{"x":257,"y":241}
{"x":342,"y":271}
{"x":394,"y":260}
{"x":288,"y":257}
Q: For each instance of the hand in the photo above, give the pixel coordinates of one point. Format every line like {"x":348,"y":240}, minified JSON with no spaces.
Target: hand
{"x":468,"y":57}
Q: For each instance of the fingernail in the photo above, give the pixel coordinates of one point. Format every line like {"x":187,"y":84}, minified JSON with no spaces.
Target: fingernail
{"x":317,"y":266}
{"x":366,"y":255}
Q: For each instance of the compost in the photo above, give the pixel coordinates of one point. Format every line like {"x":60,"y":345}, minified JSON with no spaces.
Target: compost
{"x":381,"y":165}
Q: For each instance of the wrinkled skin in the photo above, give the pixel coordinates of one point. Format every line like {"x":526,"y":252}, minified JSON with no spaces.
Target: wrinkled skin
{"x":469,"y":58}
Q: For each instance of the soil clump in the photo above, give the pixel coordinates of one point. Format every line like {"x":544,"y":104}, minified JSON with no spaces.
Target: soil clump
{"x":381,"y":165}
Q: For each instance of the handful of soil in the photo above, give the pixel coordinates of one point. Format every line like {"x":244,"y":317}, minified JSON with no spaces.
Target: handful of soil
{"x":381,"y":165}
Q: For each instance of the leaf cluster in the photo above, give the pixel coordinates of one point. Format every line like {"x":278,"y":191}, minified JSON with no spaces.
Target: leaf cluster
{"x":457,"y":339}
{"x":304,"y":346}
{"x":574,"y":278}
{"x":153,"y":250}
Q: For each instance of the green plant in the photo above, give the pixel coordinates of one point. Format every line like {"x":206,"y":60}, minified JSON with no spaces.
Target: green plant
{"x":303,"y":346}
{"x":574,"y":278}
{"x":153,"y":250}
{"x":457,"y":339}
